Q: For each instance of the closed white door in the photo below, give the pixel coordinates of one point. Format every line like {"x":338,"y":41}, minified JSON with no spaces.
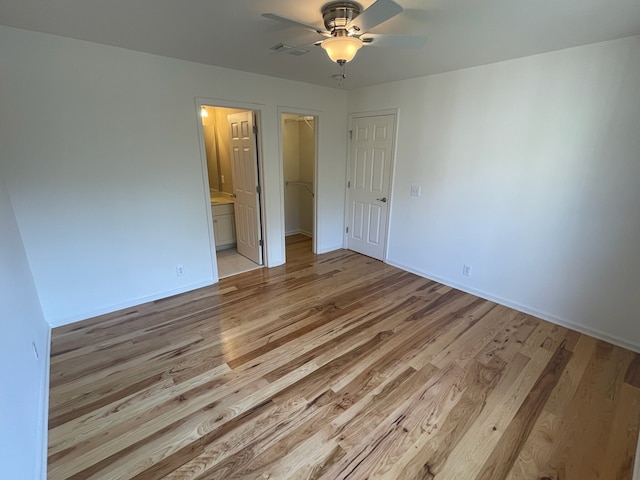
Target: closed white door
{"x":369,"y":184}
{"x":244,"y":165}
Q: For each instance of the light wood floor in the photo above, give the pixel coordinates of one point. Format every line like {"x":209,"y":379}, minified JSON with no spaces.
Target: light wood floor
{"x":337,"y":366}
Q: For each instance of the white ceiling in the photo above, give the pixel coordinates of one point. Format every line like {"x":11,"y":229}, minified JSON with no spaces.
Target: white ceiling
{"x":233,"y":34}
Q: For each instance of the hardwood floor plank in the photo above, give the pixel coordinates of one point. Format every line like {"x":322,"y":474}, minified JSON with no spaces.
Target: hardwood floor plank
{"x":234,"y":440}
{"x":431,"y":451}
{"x":548,"y":434}
{"x":475,"y":447}
{"x":573,"y":373}
{"x":459,"y":324}
{"x":602,"y":384}
{"x":474,"y":340}
{"x":421,"y":414}
{"x":376,"y":408}
{"x":564,"y":445}
{"x":632,"y":376}
{"x":271,"y":448}
{"x":508,"y":341}
{"x":146,"y":405}
{"x":505,"y":453}
{"x":337,"y":366}
{"x":623,"y":438}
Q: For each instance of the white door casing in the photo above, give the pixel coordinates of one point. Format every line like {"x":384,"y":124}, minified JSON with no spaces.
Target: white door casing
{"x":244,"y":165}
{"x":370,"y":158}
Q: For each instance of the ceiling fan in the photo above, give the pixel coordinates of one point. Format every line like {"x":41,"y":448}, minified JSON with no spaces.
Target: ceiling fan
{"x":346,"y":26}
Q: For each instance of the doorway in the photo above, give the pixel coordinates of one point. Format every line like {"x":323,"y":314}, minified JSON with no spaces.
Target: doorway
{"x":369,"y":183}
{"x":299,"y":149}
{"x":233,"y":171}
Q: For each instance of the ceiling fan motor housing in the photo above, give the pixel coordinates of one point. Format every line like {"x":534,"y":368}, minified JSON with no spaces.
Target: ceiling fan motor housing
{"x":337,"y":15}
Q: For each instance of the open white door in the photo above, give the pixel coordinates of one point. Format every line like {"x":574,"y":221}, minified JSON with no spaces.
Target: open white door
{"x":244,"y":165}
{"x":369,"y":184}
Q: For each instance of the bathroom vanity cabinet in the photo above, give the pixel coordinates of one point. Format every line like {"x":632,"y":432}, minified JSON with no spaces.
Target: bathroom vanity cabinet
{"x":224,"y":225}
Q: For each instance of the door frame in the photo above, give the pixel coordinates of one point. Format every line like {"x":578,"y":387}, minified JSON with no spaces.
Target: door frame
{"x":257,"y":110}
{"x":316,"y":114}
{"x":392,"y":168}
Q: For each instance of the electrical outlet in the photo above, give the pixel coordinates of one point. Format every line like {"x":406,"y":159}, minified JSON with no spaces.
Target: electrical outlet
{"x":222,"y":178}
{"x":35,"y":350}
{"x":466,"y":270}
{"x":179,"y":270}
{"x":415,"y":191}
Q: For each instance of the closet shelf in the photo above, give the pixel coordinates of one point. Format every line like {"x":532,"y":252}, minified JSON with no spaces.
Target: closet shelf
{"x":308,"y":186}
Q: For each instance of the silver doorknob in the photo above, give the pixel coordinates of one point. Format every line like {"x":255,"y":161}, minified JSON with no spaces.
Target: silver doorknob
{"x":383,"y":199}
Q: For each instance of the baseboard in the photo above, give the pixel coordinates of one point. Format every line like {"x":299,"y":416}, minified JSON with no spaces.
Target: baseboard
{"x":59,"y":322}
{"x":524,"y":308}
{"x":328,"y":249}
{"x":298,"y":232}
{"x":43,"y":422}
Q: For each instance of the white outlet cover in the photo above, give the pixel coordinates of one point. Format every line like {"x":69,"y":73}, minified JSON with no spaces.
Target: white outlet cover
{"x":415,"y":191}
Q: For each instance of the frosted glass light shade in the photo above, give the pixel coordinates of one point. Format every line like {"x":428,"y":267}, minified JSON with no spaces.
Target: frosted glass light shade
{"x":342,"y":48}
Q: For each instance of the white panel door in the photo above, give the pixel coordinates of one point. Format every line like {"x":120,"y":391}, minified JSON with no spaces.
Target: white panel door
{"x":369,"y":183}
{"x":244,"y":166}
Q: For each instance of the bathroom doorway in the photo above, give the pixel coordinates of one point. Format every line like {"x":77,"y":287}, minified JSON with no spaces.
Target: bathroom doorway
{"x":299,"y":151}
{"x":233,"y":171}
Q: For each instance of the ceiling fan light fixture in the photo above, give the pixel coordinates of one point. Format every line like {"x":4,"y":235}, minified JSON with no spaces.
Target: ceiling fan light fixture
{"x":342,"y":49}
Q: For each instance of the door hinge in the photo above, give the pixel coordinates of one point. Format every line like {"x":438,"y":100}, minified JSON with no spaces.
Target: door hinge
{"x":349,"y":184}
{"x":258,"y":189}
{"x":350,"y":134}
{"x":347,"y":230}
{"x":260,"y":242}
{"x":255,"y":129}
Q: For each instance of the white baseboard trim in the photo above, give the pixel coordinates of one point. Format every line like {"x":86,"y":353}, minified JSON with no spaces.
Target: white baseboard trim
{"x":43,"y":422}
{"x":59,"y":322}
{"x":328,"y":249}
{"x":524,"y":308}
{"x":298,"y":232}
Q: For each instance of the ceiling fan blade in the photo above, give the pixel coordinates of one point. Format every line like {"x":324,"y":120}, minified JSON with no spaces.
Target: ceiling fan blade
{"x":278,"y":18}
{"x":399,"y":41}
{"x":379,"y":11}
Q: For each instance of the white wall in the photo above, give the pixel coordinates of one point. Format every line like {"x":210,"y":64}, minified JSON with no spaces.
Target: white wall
{"x":298,"y":153}
{"x":291,"y":163}
{"x":104,"y":170}
{"x":23,"y":378}
{"x":529,"y":172}
{"x":306,"y":133}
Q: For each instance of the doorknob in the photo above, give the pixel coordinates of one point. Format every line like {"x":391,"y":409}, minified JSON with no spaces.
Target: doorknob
{"x":383,"y":199}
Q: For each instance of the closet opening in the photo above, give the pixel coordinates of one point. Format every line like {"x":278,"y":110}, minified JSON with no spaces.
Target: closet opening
{"x":299,"y":150}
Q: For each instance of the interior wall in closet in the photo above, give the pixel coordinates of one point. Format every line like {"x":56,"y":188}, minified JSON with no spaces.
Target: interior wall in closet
{"x":299,"y":151}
